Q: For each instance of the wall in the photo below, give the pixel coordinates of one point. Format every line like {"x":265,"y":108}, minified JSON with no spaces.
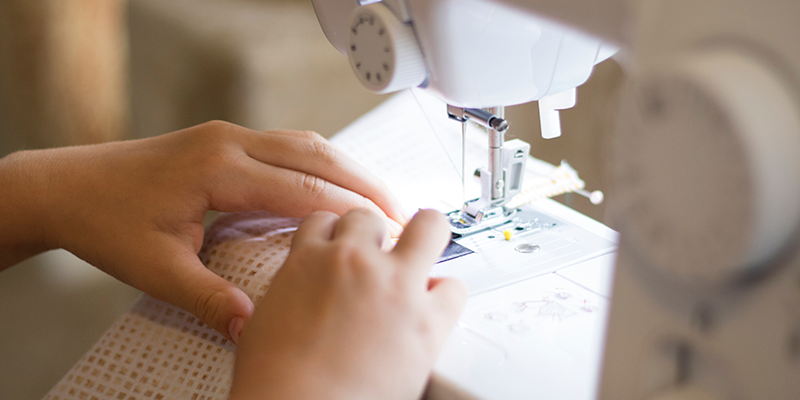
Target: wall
{"x":63,"y":73}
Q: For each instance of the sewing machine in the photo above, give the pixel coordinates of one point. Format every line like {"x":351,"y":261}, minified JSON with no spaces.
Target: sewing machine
{"x":706,"y":301}
{"x":545,"y":62}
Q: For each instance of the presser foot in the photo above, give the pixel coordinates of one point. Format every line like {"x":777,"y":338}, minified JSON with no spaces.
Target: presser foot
{"x":461,"y":223}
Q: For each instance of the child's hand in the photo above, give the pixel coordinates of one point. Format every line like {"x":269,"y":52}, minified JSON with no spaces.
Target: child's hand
{"x":135,"y":209}
{"x":344,"y":319}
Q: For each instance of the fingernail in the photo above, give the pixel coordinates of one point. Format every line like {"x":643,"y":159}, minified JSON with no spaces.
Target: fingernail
{"x":235,"y":329}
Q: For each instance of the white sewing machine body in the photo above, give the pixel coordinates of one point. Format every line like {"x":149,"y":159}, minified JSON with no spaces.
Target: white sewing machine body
{"x":469,"y":58}
{"x":704,"y":165}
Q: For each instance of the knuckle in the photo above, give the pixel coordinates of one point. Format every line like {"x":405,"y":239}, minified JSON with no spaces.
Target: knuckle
{"x":366,"y":217}
{"x":210,"y":306}
{"x":212,"y":137}
{"x":213,"y":132}
{"x":237,"y":161}
{"x":216,"y":125}
{"x":313,"y":186}
{"x":349,"y":258}
{"x":219,"y":151}
{"x":324,"y":151}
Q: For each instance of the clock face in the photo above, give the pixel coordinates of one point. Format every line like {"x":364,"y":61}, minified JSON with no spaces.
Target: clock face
{"x":682,"y":181}
{"x":371,"y":50}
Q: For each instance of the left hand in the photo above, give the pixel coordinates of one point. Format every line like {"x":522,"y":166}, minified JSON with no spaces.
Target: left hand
{"x":135,"y":209}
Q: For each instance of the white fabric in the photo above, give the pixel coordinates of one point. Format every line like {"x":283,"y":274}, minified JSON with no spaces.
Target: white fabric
{"x":158,"y":351}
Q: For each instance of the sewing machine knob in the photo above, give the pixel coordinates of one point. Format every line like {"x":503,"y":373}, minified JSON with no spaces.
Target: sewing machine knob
{"x":700,"y":163}
{"x":383,"y":51}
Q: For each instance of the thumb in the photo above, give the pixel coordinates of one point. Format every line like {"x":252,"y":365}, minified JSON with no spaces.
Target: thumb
{"x":188,"y":284}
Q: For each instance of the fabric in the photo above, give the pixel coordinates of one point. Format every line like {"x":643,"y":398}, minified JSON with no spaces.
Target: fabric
{"x":158,"y":351}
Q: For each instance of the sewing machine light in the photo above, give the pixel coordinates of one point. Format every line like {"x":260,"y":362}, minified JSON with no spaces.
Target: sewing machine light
{"x":383,"y":50}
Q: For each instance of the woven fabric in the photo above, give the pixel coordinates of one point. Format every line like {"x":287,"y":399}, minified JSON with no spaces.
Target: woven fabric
{"x":158,"y":351}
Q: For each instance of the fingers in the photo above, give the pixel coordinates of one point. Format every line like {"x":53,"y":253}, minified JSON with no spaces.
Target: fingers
{"x":422,"y":242}
{"x":289,"y":193}
{"x":309,"y":153}
{"x":362,"y":226}
{"x":318,"y":226}
{"x":185,"y":282}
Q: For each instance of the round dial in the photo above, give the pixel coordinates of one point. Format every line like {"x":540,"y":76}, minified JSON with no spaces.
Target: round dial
{"x":697,"y":166}
{"x":383,"y":51}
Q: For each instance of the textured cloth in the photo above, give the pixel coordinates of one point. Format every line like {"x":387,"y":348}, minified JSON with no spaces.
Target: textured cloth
{"x":158,"y":351}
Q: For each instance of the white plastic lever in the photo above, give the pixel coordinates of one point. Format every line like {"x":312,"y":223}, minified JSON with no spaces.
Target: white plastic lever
{"x":548,"y":111}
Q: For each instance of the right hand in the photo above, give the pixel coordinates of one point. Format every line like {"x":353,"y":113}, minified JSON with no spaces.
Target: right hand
{"x":344,"y":319}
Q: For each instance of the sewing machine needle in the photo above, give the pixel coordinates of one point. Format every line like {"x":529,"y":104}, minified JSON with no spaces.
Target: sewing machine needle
{"x":463,"y":162}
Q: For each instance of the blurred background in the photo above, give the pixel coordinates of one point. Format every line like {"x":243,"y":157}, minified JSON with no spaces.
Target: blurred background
{"x":77,"y":72}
